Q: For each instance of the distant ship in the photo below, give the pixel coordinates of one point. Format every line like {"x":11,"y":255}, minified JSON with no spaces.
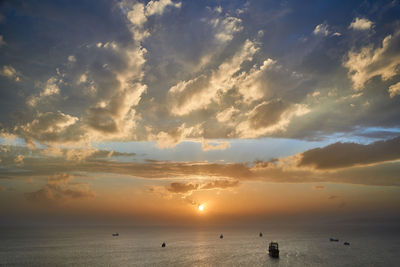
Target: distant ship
{"x":260,"y":234}
{"x":273,"y":249}
{"x":163,"y":245}
{"x":221,"y":236}
{"x":115,"y":234}
{"x":346,"y":243}
{"x":333,"y":239}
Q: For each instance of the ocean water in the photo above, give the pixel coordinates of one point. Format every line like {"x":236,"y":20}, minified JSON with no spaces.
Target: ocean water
{"x":139,"y":246}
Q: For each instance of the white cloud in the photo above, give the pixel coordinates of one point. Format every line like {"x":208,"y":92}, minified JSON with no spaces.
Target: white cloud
{"x":157,"y":7}
{"x":226,"y":28}
{"x":394,"y":90}
{"x":250,"y":84}
{"x":369,"y":62}
{"x":321,"y":29}
{"x":138,"y":14}
{"x":10,"y":72}
{"x":50,"y":88}
{"x":227,"y":114}
{"x":71,"y":58}
{"x":207,"y":145}
{"x":175,"y":136}
{"x":198,"y":93}
{"x":361,"y":24}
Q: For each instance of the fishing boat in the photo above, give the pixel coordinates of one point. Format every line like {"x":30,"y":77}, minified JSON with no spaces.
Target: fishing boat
{"x":333,"y":239}
{"x":260,"y":234}
{"x":273,"y":249}
{"x":163,"y":245}
{"x":221,"y":236}
{"x":115,"y":234}
{"x":346,"y":243}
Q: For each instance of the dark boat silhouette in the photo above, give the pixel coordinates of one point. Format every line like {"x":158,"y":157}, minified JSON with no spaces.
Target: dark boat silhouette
{"x":346,"y":243}
{"x":261,"y":234}
{"x":273,"y":249}
{"x":115,"y":234}
{"x":221,"y":236}
{"x":333,"y":239}
{"x":163,"y":245}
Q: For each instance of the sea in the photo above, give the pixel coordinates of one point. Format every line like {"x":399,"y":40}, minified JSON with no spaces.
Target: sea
{"x":197,"y":246}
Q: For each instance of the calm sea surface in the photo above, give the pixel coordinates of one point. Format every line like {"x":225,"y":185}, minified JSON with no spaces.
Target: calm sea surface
{"x":95,"y":246}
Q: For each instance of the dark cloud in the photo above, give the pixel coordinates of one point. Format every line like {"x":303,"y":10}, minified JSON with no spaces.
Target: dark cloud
{"x":267,"y":114}
{"x":342,"y":155}
{"x":182,"y":187}
{"x":60,"y":188}
{"x":220,"y":184}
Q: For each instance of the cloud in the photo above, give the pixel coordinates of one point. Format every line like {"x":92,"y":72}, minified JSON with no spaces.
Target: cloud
{"x":370,"y":62}
{"x":50,"y":88}
{"x":206,"y":145}
{"x":361,"y":24}
{"x":182,"y":187}
{"x":59,"y":188}
{"x":72,"y":58}
{"x":2,"y":42}
{"x":19,"y":160}
{"x":138,"y":14}
{"x":157,"y":7}
{"x":344,"y":155}
{"x":188,"y":188}
{"x":10,"y":72}
{"x":198,"y":93}
{"x":227,"y":114}
{"x":269,"y":117}
{"x":220,"y":184}
{"x":283,"y":170}
{"x":321,"y":29}
{"x":394,"y":90}
{"x":50,"y":127}
{"x":226,"y":28}
{"x":176,"y":135}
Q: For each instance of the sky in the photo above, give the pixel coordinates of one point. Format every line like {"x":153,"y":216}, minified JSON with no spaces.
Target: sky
{"x":141,"y":111}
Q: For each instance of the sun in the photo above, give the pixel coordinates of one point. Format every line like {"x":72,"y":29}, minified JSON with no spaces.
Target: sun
{"x":200,"y":207}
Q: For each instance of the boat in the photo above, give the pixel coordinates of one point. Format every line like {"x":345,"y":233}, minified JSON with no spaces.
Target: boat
{"x":346,"y":243}
{"x":163,"y":245}
{"x":221,"y":236}
{"x":115,"y":234}
{"x":333,"y":239}
{"x":260,"y":234}
{"x":273,"y":249}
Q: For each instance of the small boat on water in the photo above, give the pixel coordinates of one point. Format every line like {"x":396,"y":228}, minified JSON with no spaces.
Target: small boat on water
{"x":346,"y":243}
{"x":260,"y":234}
{"x":221,"y":236}
{"x":273,"y":249}
{"x":163,"y":245}
{"x":333,"y":239}
{"x":115,"y":234}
